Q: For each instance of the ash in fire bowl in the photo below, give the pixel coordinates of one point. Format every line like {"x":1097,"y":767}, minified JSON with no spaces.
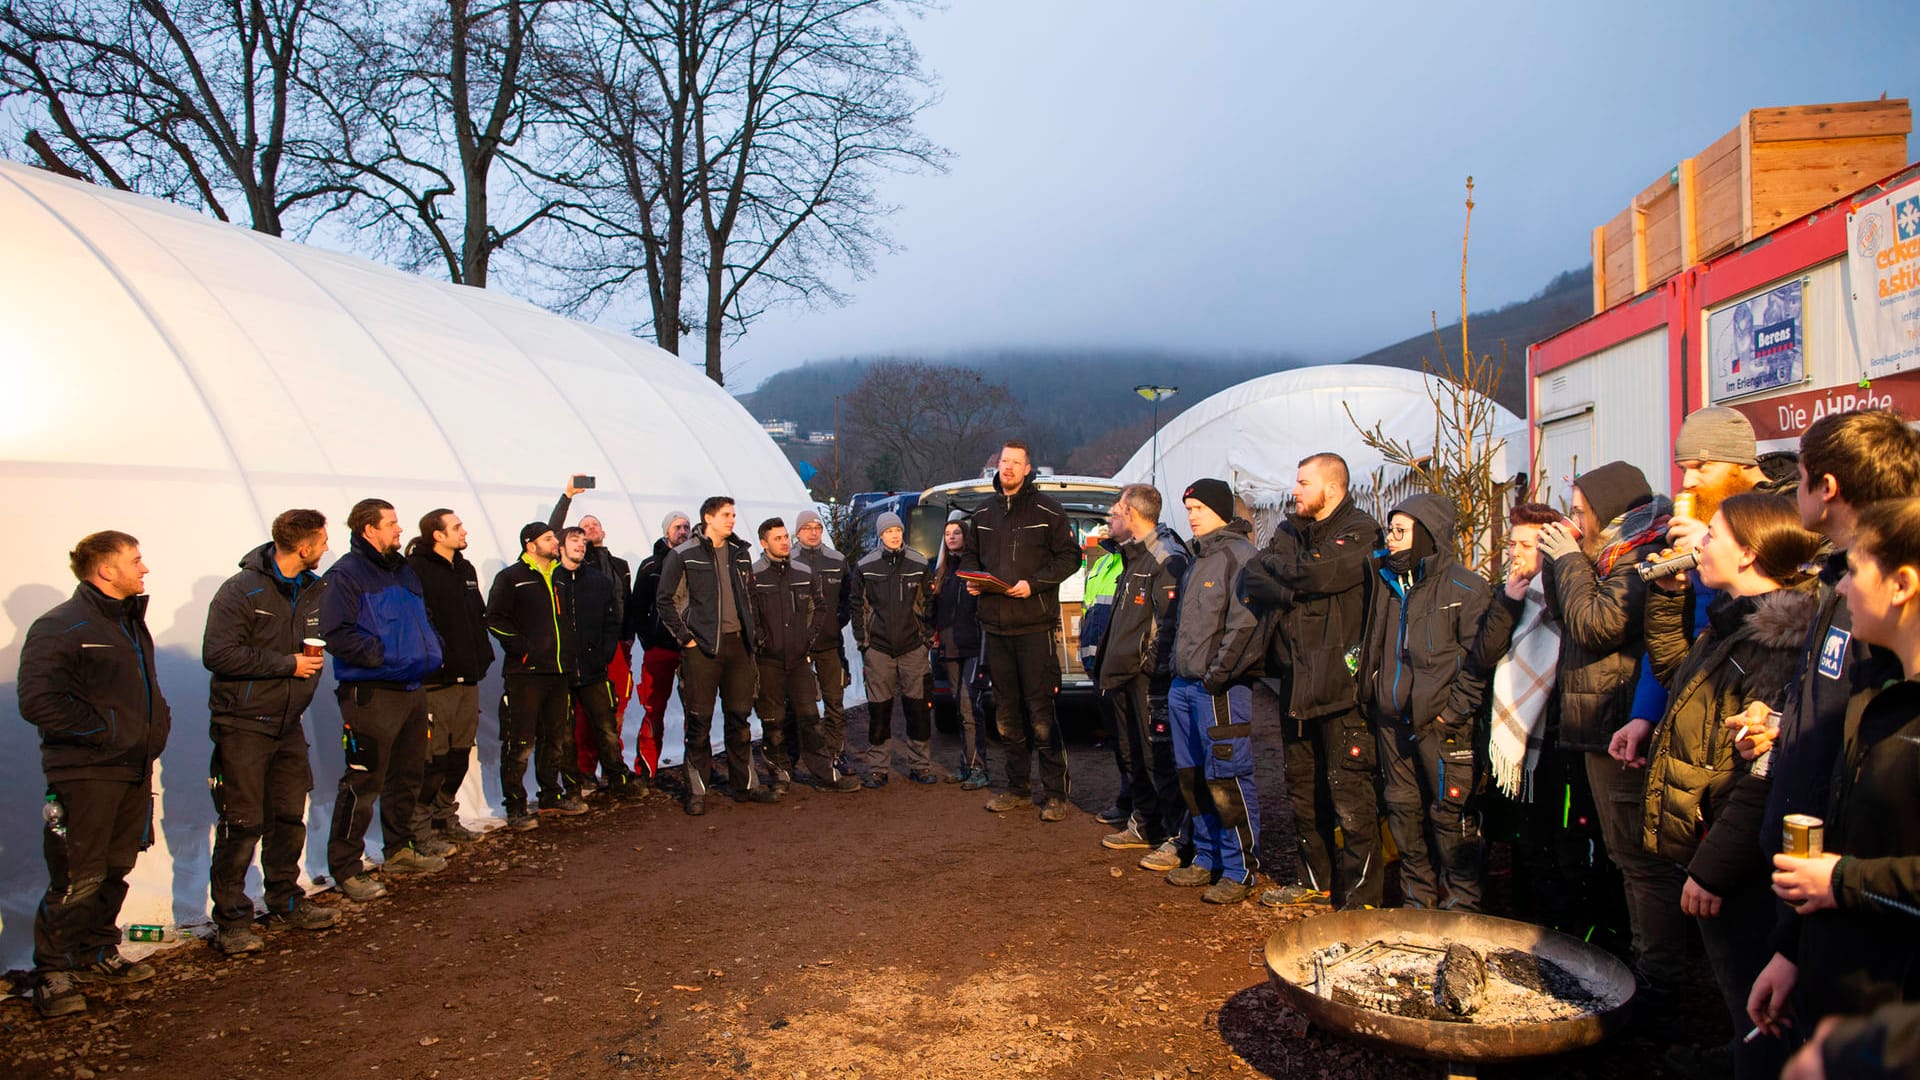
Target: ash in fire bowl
{"x":1451,"y":982}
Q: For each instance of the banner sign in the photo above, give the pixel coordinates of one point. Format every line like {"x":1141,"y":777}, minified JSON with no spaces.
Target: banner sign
{"x":1758,"y":344}
{"x":1883,"y":252}
{"x":1789,"y":416}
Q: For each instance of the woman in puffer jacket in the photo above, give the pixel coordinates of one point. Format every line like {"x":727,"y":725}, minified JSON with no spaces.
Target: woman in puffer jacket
{"x":1704,"y":802}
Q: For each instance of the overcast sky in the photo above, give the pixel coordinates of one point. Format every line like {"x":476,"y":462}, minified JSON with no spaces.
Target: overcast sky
{"x":1281,"y":177}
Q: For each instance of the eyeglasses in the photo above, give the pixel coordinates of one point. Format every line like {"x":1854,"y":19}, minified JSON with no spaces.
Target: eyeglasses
{"x":1399,"y":532}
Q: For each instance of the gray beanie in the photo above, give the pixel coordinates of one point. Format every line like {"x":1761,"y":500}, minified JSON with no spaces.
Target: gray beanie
{"x":1716,"y":433}
{"x":889,"y":520}
{"x":806,"y":517}
{"x":666,"y":523}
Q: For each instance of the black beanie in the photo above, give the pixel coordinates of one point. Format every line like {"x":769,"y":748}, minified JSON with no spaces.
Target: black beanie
{"x":533,"y":530}
{"x":1613,"y":489}
{"x":1215,"y":495}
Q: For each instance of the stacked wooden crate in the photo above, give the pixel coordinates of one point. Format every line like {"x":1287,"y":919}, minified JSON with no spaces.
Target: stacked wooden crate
{"x":1777,"y":165}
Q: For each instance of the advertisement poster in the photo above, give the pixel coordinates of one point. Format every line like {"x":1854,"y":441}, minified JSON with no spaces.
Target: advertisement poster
{"x":1883,"y":249}
{"x":1757,"y":344}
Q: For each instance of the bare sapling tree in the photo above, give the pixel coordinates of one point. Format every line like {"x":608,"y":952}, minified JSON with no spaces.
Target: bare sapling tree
{"x":435,"y":127}
{"x":914,"y":424}
{"x":195,"y":102}
{"x":1459,"y":463}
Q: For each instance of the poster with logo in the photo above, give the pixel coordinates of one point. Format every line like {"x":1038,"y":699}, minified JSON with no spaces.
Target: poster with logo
{"x":1757,"y":344}
{"x":1883,"y":251}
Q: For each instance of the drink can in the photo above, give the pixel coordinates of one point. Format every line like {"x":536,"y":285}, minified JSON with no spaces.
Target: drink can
{"x":1803,"y":836}
{"x":1683,"y":505}
{"x":146,"y":932}
{"x":313,"y":646}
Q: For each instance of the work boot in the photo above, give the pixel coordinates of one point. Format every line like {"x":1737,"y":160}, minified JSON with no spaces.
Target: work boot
{"x":1228,"y":891}
{"x":565,"y":806}
{"x":58,"y":994}
{"x":1055,"y":810}
{"x":1006,"y":801}
{"x":923,"y":776}
{"x":877,"y":779}
{"x":455,"y":833}
{"x":235,"y":940}
{"x":1163,"y":858}
{"x":306,"y":915}
{"x":361,"y":888}
{"x":755,"y":795}
{"x":1128,"y":837}
{"x":1190,"y":877}
{"x":1113,"y":815}
{"x":696,"y":805}
{"x":114,"y":968}
{"x":522,"y":821}
{"x":408,"y":860}
{"x":844,"y":783}
{"x":432,"y":845}
{"x":1294,"y":896}
{"x":975,"y":778}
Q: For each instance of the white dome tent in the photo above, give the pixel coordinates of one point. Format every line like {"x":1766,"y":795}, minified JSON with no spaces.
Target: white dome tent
{"x":1254,"y":434}
{"x":184,"y":381}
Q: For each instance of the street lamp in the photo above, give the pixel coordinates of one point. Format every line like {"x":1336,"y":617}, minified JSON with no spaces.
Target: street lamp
{"x":1156,"y":394}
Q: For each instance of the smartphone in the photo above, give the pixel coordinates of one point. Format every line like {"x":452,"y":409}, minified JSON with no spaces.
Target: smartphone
{"x":582,"y":482}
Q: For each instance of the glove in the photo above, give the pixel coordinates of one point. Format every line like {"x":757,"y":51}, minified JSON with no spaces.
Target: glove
{"x":1557,"y":540}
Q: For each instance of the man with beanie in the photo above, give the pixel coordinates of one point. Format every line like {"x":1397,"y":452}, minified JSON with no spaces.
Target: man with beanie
{"x":1423,"y":691}
{"x":660,"y":652}
{"x":594,"y":702}
{"x":1599,"y":601}
{"x":1216,"y":657}
{"x":459,"y":612}
{"x":788,"y":609}
{"x":374,"y":620}
{"x":892,"y":588}
{"x":1134,"y":668}
{"x":1024,"y":540}
{"x":827,"y":653}
{"x":530,"y":611}
{"x":87,"y":682}
{"x":262,"y":683}
{"x":706,"y":603}
{"x":1313,"y":576}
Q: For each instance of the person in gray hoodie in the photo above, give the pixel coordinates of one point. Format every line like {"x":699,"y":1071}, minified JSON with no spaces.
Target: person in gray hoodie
{"x":1424,"y":695}
{"x":1217,"y":652}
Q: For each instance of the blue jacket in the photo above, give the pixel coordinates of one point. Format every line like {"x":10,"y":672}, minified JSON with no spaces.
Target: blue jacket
{"x":374,"y":619}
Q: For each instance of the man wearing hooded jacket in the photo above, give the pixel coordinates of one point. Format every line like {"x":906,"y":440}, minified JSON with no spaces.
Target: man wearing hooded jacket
{"x":459,"y":612}
{"x":1023,"y":538}
{"x":1423,"y":693}
{"x":1313,"y":573}
{"x":262,"y":684}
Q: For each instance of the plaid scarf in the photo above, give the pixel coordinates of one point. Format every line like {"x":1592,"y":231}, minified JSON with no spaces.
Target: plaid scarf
{"x":1632,"y":530}
{"x":1523,"y":684}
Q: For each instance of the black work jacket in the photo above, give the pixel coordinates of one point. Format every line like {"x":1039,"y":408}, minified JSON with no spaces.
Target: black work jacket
{"x":255,"y":627}
{"x":1314,"y":573}
{"x":788,"y":610}
{"x":689,"y":600}
{"x":87,"y":682}
{"x":1146,"y":610}
{"x":459,"y":613}
{"x":891,"y":592}
{"x":534,"y":623}
{"x":1021,"y":537}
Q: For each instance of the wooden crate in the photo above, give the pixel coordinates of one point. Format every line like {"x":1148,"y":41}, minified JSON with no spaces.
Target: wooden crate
{"x":1778,"y":165}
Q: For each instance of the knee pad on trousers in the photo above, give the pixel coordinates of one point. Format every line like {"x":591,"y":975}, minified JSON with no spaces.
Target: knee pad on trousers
{"x":1227,"y":803}
{"x":919,"y":718}
{"x":879,"y":721}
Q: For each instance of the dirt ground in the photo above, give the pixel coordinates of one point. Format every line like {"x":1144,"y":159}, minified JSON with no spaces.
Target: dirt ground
{"x":890,"y":933}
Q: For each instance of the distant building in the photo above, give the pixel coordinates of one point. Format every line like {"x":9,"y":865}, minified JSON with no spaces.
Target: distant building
{"x":780,"y":430}
{"x":820,"y":438}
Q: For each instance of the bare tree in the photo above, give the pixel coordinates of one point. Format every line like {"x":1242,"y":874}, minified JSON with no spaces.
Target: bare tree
{"x":1459,"y":463}
{"x":435,"y":128}
{"x":917,"y":424}
{"x":196,"y":102}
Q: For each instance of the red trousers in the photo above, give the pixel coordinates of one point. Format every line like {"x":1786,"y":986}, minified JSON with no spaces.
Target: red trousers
{"x":620,"y":674}
{"x":657,"y":669}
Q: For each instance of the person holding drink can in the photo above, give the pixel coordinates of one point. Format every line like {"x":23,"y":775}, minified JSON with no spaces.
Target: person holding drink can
{"x":1852,"y":943}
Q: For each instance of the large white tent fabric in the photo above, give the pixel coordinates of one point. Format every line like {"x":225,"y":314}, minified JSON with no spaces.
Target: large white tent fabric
{"x":1254,"y":434}
{"x":184,"y":381}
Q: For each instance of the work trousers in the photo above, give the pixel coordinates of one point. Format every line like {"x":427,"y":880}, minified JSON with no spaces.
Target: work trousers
{"x":453,"y":722}
{"x":387,"y":761}
{"x":107,"y":824}
{"x":1115,"y":725}
{"x":596,"y":712}
{"x":787,"y":688}
{"x":1213,"y":751}
{"x":259,"y":784}
{"x":588,"y":747}
{"x":1649,"y":883}
{"x":961,"y":674}
{"x":905,"y":678}
{"x":1428,"y":782}
{"x":1158,"y":805}
{"x":830,"y":672}
{"x":534,"y":723}
{"x":657,"y":668}
{"x":1331,"y":763}
{"x":1025,"y":670}
{"x":731,"y":675}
